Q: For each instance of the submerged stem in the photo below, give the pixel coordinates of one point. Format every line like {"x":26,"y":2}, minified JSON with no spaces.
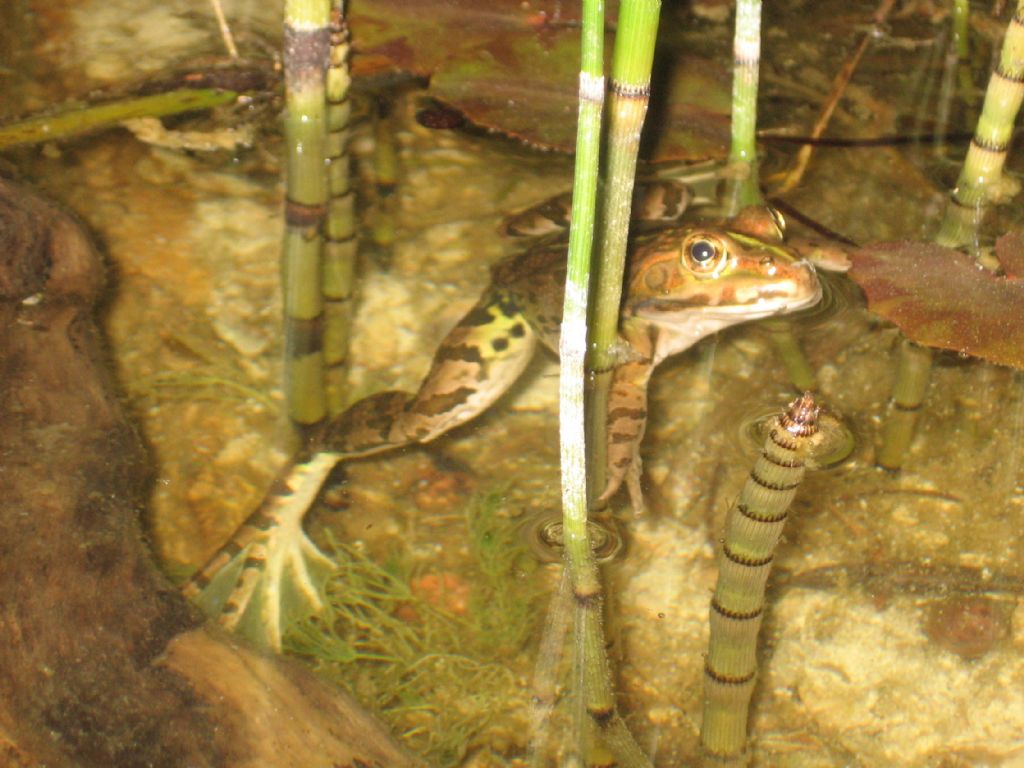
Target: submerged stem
{"x":752,"y":531}
{"x":630,"y":94}
{"x":306,"y":56}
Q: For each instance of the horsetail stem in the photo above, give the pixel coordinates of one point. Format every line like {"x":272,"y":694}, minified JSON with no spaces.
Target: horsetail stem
{"x":589,"y":662}
{"x":908,"y":390}
{"x":981,"y":177}
{"x":630,"y":93}
{"x":744,"y":189}
{"x":306,"y":56}
{"x":384,"y":224}
{"x":596,"y":721}
{"x":752,"y":531}
{"x":339,"y":258}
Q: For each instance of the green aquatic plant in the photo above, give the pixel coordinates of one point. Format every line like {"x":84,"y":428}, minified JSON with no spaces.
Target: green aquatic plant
{"x":340,"y":243}
{"x":503,"y":601}
{"x":744,"y":189}
{"x":597,"y":727}
{"x":384,"y":224}
{"x":629,"y":94}
{"x":74,"y":122}
{"x":443,"y":677}
{"x":752,"y":530}
{"x":980,"y":183}
{"x":306,"y":58}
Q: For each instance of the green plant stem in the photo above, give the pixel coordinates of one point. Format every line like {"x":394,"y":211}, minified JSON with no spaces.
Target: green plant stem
{"x":961,"y":22}
{"x":981,"y":178}
{"x":306,"y":57}
{"x":798,"y":369}
{"x":630,"y":94}
{"x":74,"y":122}
{"x":908,"y":390}
{"x":339,"y":257}
{"x":752,"y":531}
{"x":743,"y":188}
{"x":386,"y":169}
{"x":589,"y":659}
{"x":583,"y":574}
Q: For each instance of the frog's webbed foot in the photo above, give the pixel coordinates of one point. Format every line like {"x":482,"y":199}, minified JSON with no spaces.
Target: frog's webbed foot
{"x":269,"y":574}
{"x":631,"y":477}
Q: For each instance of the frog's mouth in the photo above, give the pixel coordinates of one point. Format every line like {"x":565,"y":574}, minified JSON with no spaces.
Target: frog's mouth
{"x":784,"y":298}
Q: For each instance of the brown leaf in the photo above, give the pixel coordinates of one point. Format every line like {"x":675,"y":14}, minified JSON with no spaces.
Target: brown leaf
{"x":940,"y":297}
{"x":513,"y":67}
{"x":1010,"y":252}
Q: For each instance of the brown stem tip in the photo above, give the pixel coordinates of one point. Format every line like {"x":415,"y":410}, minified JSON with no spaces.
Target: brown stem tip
{"x":801,"y":418}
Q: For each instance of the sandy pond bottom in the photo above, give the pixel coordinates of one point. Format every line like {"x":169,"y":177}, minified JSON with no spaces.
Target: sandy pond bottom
{"x":855,"y":671}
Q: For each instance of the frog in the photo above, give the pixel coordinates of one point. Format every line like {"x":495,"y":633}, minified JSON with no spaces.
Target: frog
{"x":684,"y":282}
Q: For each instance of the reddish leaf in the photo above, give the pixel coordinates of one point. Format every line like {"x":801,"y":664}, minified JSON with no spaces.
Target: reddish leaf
{"x":1010,"y":252}
{"x":513,"y":66}
{"x":941,"y":298}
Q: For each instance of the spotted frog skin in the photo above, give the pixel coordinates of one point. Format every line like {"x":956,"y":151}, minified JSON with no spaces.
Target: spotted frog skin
{"x":683,"y":283}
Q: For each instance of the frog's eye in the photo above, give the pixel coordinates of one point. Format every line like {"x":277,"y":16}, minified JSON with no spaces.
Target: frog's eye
{"x":703,"y":253}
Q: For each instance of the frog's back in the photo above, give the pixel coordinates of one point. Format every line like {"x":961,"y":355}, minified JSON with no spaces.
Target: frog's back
{"x":534,"y":280}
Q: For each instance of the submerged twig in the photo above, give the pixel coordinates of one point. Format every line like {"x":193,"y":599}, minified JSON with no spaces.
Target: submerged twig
{"x":839,"y":83}
{"x":74,"y":122}
{"x":225,"y":30}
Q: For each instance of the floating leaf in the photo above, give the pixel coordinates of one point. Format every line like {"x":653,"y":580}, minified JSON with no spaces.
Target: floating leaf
{"x":942,"y":298}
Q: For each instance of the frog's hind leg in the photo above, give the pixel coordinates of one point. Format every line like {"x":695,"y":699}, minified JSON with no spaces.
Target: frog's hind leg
{"x":627,"y":419}
{"x":269,"y":572}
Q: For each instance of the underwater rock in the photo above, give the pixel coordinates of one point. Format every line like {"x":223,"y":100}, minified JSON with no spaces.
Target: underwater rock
{"x":968,"y":625}
{"x":102,"y":663}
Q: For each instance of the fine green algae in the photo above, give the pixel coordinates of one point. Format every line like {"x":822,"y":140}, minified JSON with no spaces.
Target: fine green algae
{"x":446,"y":674}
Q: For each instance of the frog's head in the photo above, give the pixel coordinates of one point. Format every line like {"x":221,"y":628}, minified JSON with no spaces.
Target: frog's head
{"x":693,"y":281}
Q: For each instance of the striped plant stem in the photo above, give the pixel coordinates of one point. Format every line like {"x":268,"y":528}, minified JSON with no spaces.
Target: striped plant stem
{"x":596,"y":721}
{"x":743,"y":189}
{"x":980,"y":182}
{"x":339,"y":255}
{"x":589,"y":660}
{"x":383,"y":226}
{"x":306,"y":55}
{"x":630,"y":93}
{"x":752,"y":531}
{"x":912,"y":373}
{"x":981,"y":177}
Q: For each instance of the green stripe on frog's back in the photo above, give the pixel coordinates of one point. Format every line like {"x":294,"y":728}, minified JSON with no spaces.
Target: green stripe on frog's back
{"x":777,"y":250}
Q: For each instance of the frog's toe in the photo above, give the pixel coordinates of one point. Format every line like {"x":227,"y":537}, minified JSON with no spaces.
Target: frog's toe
{"x":271,"y":583}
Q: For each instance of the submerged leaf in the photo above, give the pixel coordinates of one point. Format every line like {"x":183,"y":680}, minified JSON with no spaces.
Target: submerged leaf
{"x":942,"y":298}
{"x":513,"y":67}
{"x":1010,"y":252}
